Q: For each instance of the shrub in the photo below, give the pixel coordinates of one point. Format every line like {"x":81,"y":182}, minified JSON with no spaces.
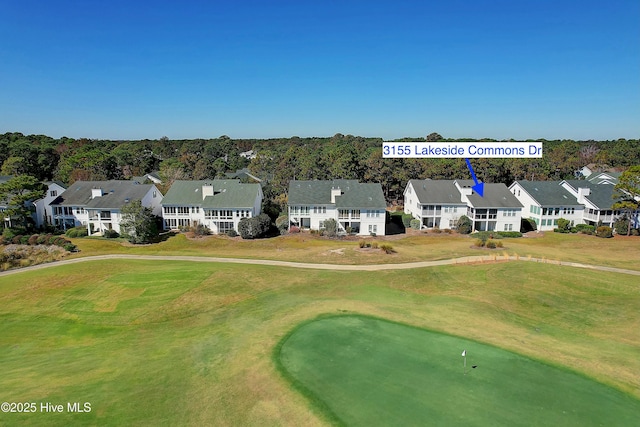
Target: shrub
{"x":604,"y":232}
{"x":464,"y":225}
{"x":387,"y":248}
{"x":415,"y":224}
{"x":110,"y":234}
{"x":635,"y":232}
{"x":282,"y":224}
{"x":294,"y":229}
{"x":42,"y":239}
{"x":621,"y":226}
{"x":362,"y":244}
{"x":585,"y":228}
{"x":33,"y":240}
{"x":70,"y":247}
{"x":436,"y":230}
{"x":491,"y":244}
{"x":406,"y":220}
{"x":528,"y":224}
{"x":61,"y":241}
{"x":499,"y":244}
{"x":52,"y":240}
{"x":564,"y":225}
{"x":448,"y":230}
{"x":24,"y":240}
{"x":200,"y":230}
{"x":16,"y":239}
{"x":331,"y":227}
{"x":508,"y":234}
{"x":374,"y":245}
{"x":232,"y":233}
{"x":254,"y":228}
{"x":479,"y":243}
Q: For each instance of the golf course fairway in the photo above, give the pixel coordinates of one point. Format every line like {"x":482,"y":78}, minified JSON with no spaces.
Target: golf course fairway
{"x":360,"y":370}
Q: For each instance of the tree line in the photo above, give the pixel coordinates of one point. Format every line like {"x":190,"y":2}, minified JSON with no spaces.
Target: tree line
{"x":279,"y":160}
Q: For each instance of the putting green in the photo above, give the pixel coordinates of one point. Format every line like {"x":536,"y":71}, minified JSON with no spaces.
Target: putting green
{"x":365,"y":371}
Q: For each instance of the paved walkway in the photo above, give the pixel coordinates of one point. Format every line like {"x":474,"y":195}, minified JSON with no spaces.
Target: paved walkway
{"x":336,"y":267}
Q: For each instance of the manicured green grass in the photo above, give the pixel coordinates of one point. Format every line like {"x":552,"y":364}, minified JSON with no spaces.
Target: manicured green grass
{"x":363,"y":371}
{"x":181,"y":343}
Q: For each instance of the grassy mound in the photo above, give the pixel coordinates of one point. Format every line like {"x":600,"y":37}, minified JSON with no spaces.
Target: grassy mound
{"x":367,"y":371}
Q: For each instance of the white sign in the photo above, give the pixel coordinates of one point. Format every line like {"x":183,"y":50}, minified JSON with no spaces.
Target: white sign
{"x":419,"y":150}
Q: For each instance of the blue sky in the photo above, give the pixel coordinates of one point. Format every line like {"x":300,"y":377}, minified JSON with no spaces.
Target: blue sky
{"x":262,"y":69}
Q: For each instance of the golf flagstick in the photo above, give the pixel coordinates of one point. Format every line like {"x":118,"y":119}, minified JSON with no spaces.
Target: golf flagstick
{"x":464,"y":354}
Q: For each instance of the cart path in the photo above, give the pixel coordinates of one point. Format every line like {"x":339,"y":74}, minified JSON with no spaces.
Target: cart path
{"x":336,"y":267}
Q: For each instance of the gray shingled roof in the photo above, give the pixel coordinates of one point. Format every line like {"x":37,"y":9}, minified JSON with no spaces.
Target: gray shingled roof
{"x":601,"y":194}
{"x":445,"y":192}
{"x":549,"y":193}
{"x":354,"y":194}
{"x":495,"y":196}
{"x":600,"y":177}
{"x":115,"y":194}
{"x":441,"y":192}
{"x":228,"y":193}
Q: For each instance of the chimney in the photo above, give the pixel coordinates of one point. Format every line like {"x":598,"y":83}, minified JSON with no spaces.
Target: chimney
{"x":334,"y":193}
{"x":96,"y":192}
{"x":207,"y":190}
{"x":582,"y":193}
{"x":464,"y":193}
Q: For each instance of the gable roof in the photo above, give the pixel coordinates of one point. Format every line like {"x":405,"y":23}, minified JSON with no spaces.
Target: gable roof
{"x":600,"y":196}
{"x":115,"y":194}
{"x":495,"y":196}
{"x":443,"y":192}
{"x":227,"y":193}
{"x":354,"y":194}
{"x":604,"y":177}
{"x":549,"y":193}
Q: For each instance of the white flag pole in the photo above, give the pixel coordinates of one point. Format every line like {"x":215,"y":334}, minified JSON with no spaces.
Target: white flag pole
{"x":464,"y":355}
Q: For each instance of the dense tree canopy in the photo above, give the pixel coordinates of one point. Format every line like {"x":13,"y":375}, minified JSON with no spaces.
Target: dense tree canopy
{"x":277,"y":161}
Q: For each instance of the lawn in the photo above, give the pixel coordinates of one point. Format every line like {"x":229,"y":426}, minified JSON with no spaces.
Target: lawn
{"x":180,"y":343}
{"x":363,"y":371}
{"x":617,"y":252}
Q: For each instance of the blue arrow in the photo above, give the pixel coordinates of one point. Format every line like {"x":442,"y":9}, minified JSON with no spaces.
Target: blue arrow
{"x":479,"y":187}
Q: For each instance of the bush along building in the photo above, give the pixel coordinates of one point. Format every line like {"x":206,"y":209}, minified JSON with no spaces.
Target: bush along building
{"x":358,"y":208}
{"x":441,"y":203}
{"x":98,"y":204}
{"x":217,"y":204}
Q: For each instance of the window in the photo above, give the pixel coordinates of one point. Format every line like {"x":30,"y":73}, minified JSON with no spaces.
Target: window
{"x":355,"y":214}
{"x":225,"y":226}
{"x":182,"y":210}
{"x":53,"y":193}
{"x":170,"y":223}
{"x":557,"y":211}
{"x":373,"y":228}
{"x":508,"y":227}
{"x":169,"y":210}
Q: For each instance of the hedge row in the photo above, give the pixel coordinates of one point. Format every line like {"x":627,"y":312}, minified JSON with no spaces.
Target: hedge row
{"x":38,"y":239}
